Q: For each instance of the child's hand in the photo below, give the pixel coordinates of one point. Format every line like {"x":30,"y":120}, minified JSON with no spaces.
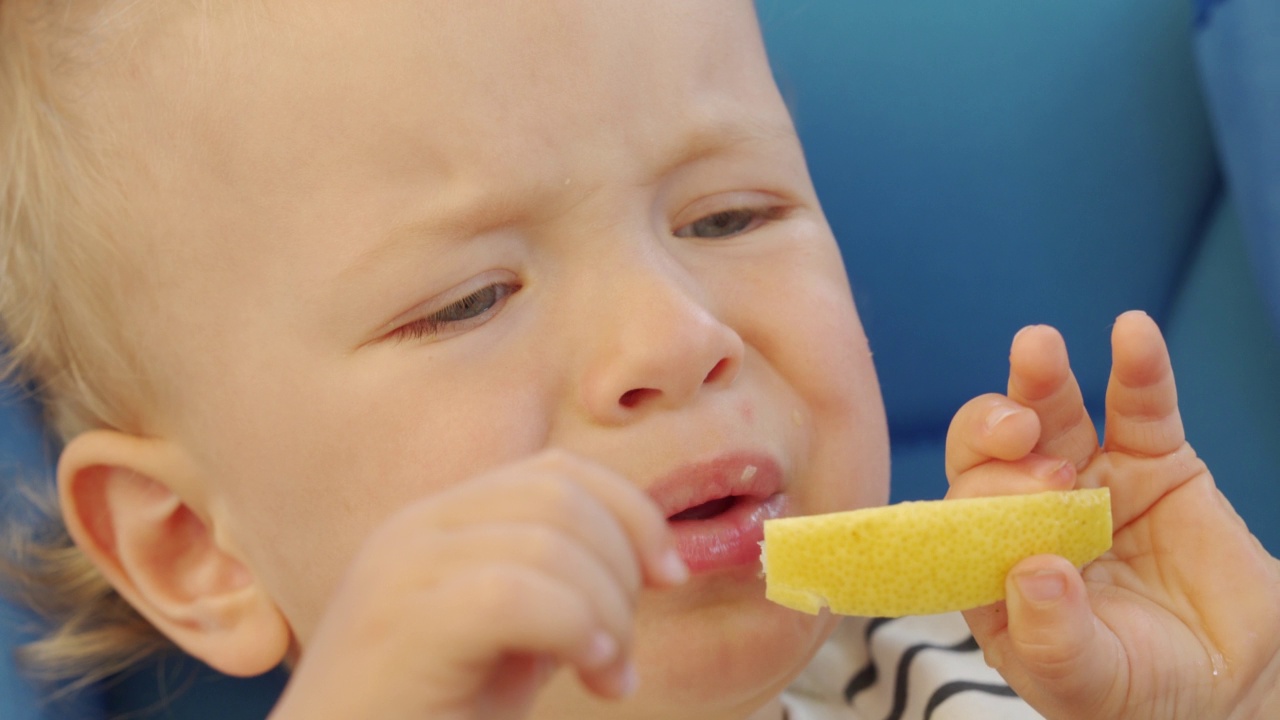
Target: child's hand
{"x":1181,"y":618}
{"x":460,"y":605}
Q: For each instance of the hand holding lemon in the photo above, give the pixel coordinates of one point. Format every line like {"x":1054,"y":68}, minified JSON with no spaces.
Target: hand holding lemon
{"x":1176,"y":613}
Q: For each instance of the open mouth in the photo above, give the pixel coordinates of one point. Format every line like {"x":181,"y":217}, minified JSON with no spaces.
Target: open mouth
{"x":724,"y":532}
{"x":717,"y":508}
{"x":707,"y":510}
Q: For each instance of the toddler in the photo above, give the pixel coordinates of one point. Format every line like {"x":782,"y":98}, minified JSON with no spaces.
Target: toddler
{"x":455,"y":353}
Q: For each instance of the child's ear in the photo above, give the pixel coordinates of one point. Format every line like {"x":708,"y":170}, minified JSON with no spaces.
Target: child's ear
{"x":132,"y":506}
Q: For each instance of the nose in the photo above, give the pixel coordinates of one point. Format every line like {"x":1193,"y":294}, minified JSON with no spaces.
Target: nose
{"x":659,"y":346}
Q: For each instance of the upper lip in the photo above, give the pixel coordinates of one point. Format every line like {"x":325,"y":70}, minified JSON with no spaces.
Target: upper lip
{"x":742,"y":474}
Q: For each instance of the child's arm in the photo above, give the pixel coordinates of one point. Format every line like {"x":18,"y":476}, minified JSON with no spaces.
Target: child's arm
{"x":460,"y":606}
{"x":1181,"y":618}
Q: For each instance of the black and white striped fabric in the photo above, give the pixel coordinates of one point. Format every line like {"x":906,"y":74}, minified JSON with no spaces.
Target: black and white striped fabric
{"x":912,"y":668}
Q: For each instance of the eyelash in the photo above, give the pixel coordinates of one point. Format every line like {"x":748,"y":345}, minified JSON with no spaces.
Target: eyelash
{"x":456,"y":313}
{"x":757,"y":217}
{"x":489,"y":297}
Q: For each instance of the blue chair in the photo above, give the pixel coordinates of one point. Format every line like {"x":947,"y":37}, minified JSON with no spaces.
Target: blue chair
{"x":1238,"y":44}
{"x":985,"y":165}
{"x":991,"y":164}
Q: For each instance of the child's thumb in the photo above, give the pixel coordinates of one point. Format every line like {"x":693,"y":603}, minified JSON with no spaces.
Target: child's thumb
{"x":1064,"y":652}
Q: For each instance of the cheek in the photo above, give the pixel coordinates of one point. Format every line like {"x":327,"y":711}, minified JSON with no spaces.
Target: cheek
{"x":803,"y":321}
{"x":314,"y":466}
{"x":800,"y":315}
{"x":850,"y":433}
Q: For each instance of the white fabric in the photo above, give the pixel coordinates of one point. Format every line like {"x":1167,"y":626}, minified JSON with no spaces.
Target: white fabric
{"x":893,"y":670}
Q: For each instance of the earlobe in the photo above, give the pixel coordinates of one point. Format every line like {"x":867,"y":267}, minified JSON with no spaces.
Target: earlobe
{"x":134,"y":506}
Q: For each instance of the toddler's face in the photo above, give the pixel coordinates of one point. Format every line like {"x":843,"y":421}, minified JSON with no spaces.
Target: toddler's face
{"x":390,"y":245}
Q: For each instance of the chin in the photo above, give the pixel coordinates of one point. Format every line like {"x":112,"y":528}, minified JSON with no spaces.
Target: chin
{"x":716,"y":647}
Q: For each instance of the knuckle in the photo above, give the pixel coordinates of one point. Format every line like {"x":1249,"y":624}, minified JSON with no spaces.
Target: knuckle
{"x":559,"y":461}
{"x":558,"y":498}
{"x":545,"y":546}
{"x":973,"y":414}
{"x":1053,"y":661}
{"x":631,"y":578}
{"x":505,"y":594}
{"x":493,"y":590}
{"x":987,"y":402}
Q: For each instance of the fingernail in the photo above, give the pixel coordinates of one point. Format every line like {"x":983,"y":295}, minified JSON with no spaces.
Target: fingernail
{"x":1021,"y":332}
{"x":600,"y":651}
{"x":671,"y":568}
{"x":1041,"y":588}
{"x":1000,"y":414}
{"x":1054,"y":468}
{"x":628,"y":680}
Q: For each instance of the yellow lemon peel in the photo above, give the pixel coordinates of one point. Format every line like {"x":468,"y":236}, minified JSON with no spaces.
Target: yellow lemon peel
{"x":925,"y":557}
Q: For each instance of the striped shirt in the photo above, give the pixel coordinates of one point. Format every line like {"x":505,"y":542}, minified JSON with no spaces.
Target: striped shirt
{"x":911,"y":668}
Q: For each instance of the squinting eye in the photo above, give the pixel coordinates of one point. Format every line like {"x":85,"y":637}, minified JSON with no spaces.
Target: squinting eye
{"x":728,"y":223}
{"x":469,"y":306}
{"x":467,"y":311}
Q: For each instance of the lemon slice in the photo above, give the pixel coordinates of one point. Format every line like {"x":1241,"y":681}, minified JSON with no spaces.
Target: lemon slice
{"x":919,"y":558}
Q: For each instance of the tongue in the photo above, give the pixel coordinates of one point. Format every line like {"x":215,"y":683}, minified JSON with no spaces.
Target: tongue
{"x":705,"y":510}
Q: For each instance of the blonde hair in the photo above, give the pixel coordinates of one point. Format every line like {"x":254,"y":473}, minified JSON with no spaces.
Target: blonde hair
{"x":62,"y":295}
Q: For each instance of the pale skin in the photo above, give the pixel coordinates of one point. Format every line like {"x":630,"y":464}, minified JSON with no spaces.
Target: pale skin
{"x":607,"y":221}
{"x":1181,"y":618}
{"x":434,"y":328}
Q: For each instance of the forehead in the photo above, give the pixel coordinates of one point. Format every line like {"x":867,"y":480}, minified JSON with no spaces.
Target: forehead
{"x":248,"y":115}
{"x":266,"y":145}
{"x":494,"y":77}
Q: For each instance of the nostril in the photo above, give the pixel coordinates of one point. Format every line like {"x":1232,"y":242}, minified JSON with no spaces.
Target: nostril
{"x":632,"y":398}
{"x":636,"y":397}
{"x":717,"y":371}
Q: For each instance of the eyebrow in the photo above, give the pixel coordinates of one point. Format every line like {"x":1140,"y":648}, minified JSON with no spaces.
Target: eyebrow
{"x":488,"y":211}
{"x":496,"y":209}
{"x":717,"y":137}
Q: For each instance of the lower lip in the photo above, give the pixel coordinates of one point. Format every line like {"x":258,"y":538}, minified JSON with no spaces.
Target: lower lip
{"x":728,"y":540}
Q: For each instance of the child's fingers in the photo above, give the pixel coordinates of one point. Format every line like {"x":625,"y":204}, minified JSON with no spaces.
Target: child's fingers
{"x":1142,"y":401}
{"x":472,"y":594}
{"x":1040,"y":378}
{"x":547,"y":550}
{"x":635,"y":512}
{"x":1055,"y":651}
{"x":549,"y":501}
{"x":496,"y":611}
{"x":1030,"y":474}
{"x":989,"y":427}
{"x":602,"y":510}
{"x":486,"y":635}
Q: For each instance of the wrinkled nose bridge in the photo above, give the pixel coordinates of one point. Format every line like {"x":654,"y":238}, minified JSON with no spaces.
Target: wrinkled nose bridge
{"x":660,"y":341}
